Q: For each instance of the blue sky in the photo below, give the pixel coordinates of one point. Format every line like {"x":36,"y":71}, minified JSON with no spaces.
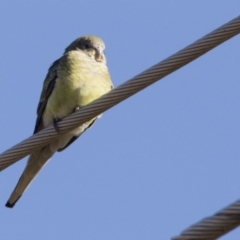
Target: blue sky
{"x":154,"y":164}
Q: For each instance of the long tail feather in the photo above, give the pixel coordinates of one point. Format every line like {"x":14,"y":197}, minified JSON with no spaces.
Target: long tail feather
{"x":35,"y":163}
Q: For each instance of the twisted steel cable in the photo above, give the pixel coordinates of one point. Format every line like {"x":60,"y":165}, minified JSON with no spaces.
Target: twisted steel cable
{"x":122,"y":92}
{"x":214,"y":226}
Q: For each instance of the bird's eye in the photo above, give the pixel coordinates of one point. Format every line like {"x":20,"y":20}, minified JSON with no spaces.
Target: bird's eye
{"x":87,"y":46}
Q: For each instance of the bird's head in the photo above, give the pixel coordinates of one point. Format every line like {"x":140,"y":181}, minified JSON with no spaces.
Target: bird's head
{"x":93,"y":46}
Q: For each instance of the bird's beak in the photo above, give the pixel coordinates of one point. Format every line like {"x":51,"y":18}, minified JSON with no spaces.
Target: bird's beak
{"x":99,"y":54}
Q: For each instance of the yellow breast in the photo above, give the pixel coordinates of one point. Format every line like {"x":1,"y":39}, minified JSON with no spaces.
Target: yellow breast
{"x":80,"y":81}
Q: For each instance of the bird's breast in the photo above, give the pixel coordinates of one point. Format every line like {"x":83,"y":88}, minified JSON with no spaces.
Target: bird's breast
{"x":80,"y":81}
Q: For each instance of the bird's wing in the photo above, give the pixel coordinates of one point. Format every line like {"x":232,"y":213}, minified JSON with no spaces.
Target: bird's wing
{"x":48,"y":87}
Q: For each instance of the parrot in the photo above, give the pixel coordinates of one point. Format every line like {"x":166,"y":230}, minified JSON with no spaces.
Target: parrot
{"x":74,"y":80}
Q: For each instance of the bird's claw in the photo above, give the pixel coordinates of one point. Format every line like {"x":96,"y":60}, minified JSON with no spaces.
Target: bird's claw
{"x":55,"y":121}
{"x":76,"y":108}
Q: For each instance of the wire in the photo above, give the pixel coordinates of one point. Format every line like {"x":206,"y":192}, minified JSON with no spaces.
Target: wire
{"x":214,"y":226}
{"x":122,"y":92}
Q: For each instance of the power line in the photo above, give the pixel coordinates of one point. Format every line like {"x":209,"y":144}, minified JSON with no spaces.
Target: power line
{"x":214,"y":226}
{"x":122,"y":92}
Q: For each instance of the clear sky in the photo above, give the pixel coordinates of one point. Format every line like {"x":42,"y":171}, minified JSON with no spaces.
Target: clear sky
{"x":154,"y":164}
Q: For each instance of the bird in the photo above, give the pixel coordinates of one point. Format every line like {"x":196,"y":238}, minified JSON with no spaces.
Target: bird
{"x":74,"y":80}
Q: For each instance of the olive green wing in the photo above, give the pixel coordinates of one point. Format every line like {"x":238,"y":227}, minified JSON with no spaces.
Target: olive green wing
{"x":48,"y":87}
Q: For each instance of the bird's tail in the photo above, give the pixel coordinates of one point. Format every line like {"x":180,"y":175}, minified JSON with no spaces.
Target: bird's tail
{"x":35,"y":163}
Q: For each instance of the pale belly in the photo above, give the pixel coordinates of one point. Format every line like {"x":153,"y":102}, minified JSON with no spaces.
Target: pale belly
{"x":64,"y":101}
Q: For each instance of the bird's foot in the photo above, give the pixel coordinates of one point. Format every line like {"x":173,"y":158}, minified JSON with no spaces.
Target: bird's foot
{"x":76,"y":109}
{"x":55,"y":121}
